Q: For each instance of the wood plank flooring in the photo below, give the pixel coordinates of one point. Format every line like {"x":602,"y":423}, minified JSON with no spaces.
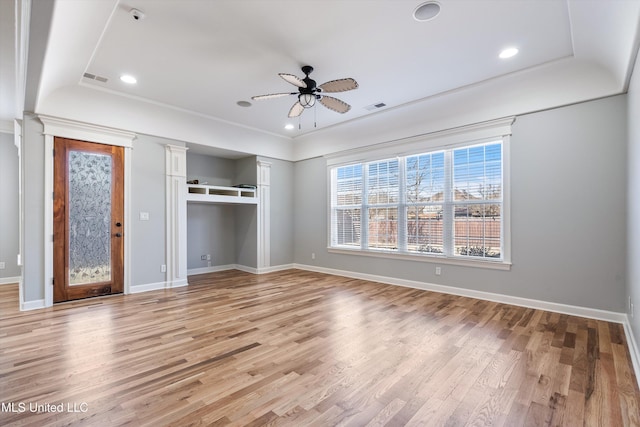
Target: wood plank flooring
{"x":298,"y":348}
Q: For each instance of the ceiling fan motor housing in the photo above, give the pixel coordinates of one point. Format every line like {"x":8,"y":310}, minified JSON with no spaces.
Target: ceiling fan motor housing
{"x":308,"y":94}
{"x":311,"y":84}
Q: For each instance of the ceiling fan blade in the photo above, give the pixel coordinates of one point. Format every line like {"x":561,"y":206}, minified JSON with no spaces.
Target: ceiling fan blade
{"x":294,"y":80}
{"x":296,"y":110}
{"x":335,"y":104}
{"x":340,"y":85}
{"x":271,"y":96}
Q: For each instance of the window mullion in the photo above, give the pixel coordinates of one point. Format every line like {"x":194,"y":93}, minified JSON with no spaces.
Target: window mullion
{"x":447,"y":207}
{"x":402,"y":206}
{"x":364,"y":213}
{"x":334,"y":190}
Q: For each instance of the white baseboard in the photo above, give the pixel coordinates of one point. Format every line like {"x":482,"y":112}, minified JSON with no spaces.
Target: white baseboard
{"x":213,"y":269}
{"x":245,"y":268}
{"x":9,"y":280}
{"x":136,"y":289}
{"x":592,"y":313}
{"x":275,"y":268}
{"x":633,"y":348}
{"x":240,"y":267}
{"x":32,"y":305}
{"x":177,"y":283}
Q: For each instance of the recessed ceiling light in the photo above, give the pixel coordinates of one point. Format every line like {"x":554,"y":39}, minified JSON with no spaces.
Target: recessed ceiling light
{"x":244,"y":103}
{"x":289,"y":126}
{"x":128,"y":79}
{"x":426,"y":11}
{"x":508,"y":53}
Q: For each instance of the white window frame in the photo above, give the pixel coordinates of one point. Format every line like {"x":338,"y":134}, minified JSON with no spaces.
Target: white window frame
{"x":498,"y":131}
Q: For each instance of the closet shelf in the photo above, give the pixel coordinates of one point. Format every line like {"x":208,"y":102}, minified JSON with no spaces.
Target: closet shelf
{"x":218,"y":194}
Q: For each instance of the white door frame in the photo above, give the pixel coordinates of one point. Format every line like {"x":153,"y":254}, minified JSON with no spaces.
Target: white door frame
{"x":64,"y":128}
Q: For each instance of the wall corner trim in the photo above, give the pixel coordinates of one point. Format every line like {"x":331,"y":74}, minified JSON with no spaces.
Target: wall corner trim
{"x":633,"y":348}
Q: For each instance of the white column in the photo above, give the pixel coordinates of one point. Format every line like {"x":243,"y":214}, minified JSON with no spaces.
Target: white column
{"x":176,"y":206}
{"x":264,"y":214}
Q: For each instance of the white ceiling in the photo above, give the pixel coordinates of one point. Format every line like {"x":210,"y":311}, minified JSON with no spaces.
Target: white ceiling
{"x":195,"y":59}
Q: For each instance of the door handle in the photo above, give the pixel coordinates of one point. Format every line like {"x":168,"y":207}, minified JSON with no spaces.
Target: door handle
{"x":118,"y":234}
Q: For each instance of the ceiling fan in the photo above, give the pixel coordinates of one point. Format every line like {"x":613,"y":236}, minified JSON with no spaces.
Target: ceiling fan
{"x":308,"y":92}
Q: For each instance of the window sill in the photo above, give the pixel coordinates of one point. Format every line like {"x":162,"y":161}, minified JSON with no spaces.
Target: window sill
{"x":492,"y":265}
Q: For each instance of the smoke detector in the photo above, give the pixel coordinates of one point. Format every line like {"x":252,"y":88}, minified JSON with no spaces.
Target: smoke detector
{"x":137,"y":14}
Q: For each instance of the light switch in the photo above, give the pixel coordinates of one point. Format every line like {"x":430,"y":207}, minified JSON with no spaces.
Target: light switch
{"x":144,"y":216}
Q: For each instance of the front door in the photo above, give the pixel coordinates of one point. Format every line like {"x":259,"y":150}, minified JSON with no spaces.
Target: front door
{"x":88,"y":219}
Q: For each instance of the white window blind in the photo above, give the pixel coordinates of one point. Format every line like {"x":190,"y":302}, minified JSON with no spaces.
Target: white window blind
{"x":382,"y":198}
{"x":346,"y":196}
{"x":444,"y":203}
{"x":425,"y":190}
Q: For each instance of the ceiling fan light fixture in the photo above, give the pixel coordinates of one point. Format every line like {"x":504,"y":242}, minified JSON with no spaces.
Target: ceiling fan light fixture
{"x":307,"y":100}
{"x":426,"y":11}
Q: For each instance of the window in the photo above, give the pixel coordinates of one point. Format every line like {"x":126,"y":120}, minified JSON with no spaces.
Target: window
{"x":446,"y":204}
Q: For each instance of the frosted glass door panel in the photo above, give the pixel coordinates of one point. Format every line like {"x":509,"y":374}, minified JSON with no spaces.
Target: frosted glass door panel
{"x":89,"y":208}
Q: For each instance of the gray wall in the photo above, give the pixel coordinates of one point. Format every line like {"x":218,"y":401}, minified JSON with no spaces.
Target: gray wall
{"x":229,"y":233}
{"x":210,"y":228}
{"x":213,"y":170}
{"x":567,"y":176}
{"x":633,"y":200}
{"x":148,"y":195}
{"x":9,"y":209}
{"x":210,"y":231}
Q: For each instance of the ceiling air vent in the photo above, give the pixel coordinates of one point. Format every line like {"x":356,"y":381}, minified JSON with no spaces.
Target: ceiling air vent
{"x":94,"y":77}
{"x":375,"y":106}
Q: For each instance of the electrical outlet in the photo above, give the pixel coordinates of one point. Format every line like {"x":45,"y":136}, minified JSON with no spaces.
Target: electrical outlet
{"x":438,"y":271}
{"x":630,"y":304}
{"x":2,"y":266}
{"x":208,"y":257}
{"x":313,"y":255}
{"x":144,"y":216}
{"x":208,"y":263}
{"x":203,"y":257}
{"x":163,"y":268}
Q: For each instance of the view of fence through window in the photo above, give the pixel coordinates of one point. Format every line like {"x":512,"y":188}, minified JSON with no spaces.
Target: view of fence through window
{"x":445,"y":203}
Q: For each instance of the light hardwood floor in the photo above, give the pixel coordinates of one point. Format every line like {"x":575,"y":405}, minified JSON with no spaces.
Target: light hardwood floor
{"x":299,"y":348}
